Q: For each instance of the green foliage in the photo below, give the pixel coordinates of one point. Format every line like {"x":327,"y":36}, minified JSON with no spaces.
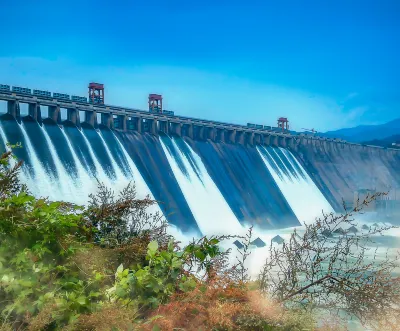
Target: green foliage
{"x":254,"y":322}
{"x":9,"y":183}
{"x":151,"y":285}
{"x":37,"y":239}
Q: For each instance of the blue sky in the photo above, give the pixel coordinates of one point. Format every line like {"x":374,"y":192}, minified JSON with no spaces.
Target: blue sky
{"x":323,"y":64}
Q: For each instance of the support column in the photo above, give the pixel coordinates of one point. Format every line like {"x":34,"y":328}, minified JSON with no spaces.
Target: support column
{"x":12,"y":108}
{"x":201,"y":133}
{"x":107,"y":120}
{"x":73,"y":116}
{"x":240,"y":137}
{"x":91,"y":118}
{"x":212,"y":133}
{"x":190,"y":131}
{"x":122,"y":122}
{"x":176,"y":128}
{"x":164,"y":126}
{"x":230,"y":136}
{"x":250,"y":138}
{"x":38,"y":113}
{"x":153,"y":126}
{"x":220,"y":135}
{"x":282,"y":142}
{"x":55,"y":114}
{"x":139,"y":123}
{"x":33,"y":110}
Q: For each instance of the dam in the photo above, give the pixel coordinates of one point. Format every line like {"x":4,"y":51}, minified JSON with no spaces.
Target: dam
{"x":208,"y":177}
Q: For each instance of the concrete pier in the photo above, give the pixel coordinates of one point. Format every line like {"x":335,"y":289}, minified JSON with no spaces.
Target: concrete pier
{"x":91,"y":118}
{"x":13,"y":109}
{"x":55,"y":114}
{"x":34,"y":111}
{"x":107,"y":120}
{"x":73,"y":116}
{"x":163,"y":126}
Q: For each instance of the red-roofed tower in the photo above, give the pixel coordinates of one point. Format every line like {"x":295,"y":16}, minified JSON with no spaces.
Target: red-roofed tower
{"x":283,"y":123}
{"x":155,"y":103}
{"x":96,"y":93}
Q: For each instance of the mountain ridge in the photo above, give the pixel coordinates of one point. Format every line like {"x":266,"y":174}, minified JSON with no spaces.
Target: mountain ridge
{"x":364,"y":133}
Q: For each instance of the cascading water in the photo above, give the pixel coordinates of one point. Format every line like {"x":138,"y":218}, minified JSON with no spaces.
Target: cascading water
{"x":118,"y":173}
{"x":135,"y":176}
{"x":85,"y":183}
{"x":100,"y":174}
{"x":46,"y":184}
{"x":140,"y":183}
{"x":211,"y":211}
{"x":66,"y":183}
{"x":302,"y":194}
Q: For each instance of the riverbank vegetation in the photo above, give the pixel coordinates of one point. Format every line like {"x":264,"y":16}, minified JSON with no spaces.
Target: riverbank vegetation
{"x":113,"y":266}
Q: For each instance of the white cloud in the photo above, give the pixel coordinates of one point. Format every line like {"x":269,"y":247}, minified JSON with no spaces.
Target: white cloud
{"x":187,"y":91}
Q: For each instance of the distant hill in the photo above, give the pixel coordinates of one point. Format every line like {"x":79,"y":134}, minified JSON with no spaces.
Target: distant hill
{"x":364,"y":133}
{"x":386,"y":142}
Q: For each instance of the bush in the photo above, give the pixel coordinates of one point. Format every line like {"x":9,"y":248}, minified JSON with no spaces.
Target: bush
{"x":225,"y":305}
{"x":333,"y":271}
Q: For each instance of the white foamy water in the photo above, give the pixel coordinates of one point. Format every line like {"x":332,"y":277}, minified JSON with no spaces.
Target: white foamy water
{"x":45,"y":184}
{"x":65,"y":182}
{"x":118,"y":173}
{"x":140,"y":183}
{"x":85,"y":183}
{"x":100,"y":173}
{"x":302,"y":195}
{"x":212,"y":213}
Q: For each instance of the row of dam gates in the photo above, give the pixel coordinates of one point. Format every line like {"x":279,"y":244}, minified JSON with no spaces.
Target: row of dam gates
{"x":126,"y":119}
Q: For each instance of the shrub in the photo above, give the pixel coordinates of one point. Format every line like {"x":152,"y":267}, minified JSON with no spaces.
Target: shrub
{"x":224,"y":305}
{"x":334,"y":273}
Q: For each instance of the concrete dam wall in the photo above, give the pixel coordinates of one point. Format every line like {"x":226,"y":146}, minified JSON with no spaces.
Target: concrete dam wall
{"x":202,"y":185}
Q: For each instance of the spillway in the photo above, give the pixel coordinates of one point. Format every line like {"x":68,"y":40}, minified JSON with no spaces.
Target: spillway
{"x":295,"y":184}
{"x":211,"y":211}
{"x":45,"y":179}
{"x":201,"y":186}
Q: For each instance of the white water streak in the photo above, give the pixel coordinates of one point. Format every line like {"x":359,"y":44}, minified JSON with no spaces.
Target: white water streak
{"x":140,"y":183}
{"x":46,"y":184}
{"x":212,"y":213}
{"x":65,"y":181}
{"x":100,"y":173}
{"x":303,"y":196}
{"x":118,"y":173}
{"x":84,"y":181}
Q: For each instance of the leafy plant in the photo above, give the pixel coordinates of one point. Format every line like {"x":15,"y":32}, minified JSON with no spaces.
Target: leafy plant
{"x":151,"y":285}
